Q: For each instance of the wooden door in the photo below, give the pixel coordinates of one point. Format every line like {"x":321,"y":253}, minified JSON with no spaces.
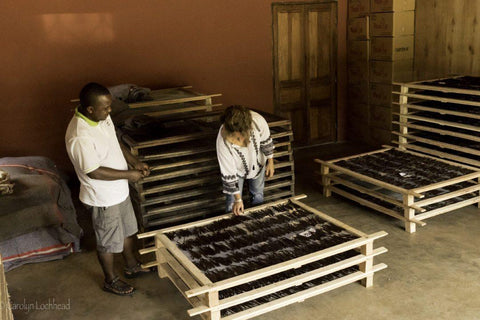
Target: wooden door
{"x":304,"y":56}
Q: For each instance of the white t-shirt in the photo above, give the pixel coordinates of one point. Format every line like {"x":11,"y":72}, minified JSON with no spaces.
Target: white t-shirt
{"x":244,"y":162}
{"x":91,"y":145}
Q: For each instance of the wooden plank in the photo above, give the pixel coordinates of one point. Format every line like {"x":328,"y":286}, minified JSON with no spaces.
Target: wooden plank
{"x":181,"y":286}
{"x":283,"y":266}
{"x":302,"y":295}
{"x":285,"y":284}
{"x":441,"y":99}
{"x":371,"y":192}
{"x":331,"y":220}
{"x":154,"y":103}
{"x":180,"y":109}
{"x":175,"y":154}
{"x":180,"y":195}
{"x":440,"y":131}
{"x":371,"y":180}
{"x":354,"y":156}
{"x":376,"y":206}
{"x":436,"y":153}
{"x":448,"y":208}
{"x":440,"y":122}
{"x":438,"y":143}
{"x":441,"y":89}
{"x":444,"y":111}
{"x":442,"y":160}
{"x":447,"y":196}
{"x":178,"y":173}
{"x":178,"y":207}
{"x":442,"y":184}
{"x":397,"y":83}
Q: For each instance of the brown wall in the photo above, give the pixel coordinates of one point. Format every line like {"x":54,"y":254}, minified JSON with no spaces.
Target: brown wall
{"x":51,"y":48}
{"x":447,"y":39}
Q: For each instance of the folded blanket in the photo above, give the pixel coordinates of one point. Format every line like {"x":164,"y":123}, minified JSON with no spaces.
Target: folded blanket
{"x":41,"y":198}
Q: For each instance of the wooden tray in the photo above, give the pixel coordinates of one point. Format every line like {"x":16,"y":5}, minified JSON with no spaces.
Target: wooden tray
{"x":315,"y":272}
{"x":381,"y":181}
{"x":440,"y":118}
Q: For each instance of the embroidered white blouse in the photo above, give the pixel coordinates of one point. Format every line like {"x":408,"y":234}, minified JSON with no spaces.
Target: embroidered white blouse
{"x":244,"y":162}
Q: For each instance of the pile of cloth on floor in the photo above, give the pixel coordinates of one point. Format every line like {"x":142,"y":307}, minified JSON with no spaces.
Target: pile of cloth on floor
{"x":38,"y":219}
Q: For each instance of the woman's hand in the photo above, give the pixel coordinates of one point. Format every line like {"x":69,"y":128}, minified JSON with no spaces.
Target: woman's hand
{"x":269,"y":168}
{"x":237,"y":207}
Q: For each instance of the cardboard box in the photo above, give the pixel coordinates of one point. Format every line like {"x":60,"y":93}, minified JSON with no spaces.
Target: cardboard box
{"x":358,"y":8}
{"x":392,"y":23}
{"x":392,"y":48}
{"x":357,"y":113}
{"x":358,"y":50}
{"x":357,"y":72}
{"x":391,"y":5}
{"x":358,"y":28}
{"x":391,"y":71}
{"x":379,"y":137}
{"x":380,"y":117}
{"x":381,"y":94}
{"x":358,"y":93}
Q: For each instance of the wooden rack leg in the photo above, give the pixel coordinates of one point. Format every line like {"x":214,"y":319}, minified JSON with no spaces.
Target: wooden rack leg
{"x":327,"y":192}
{"x":409,"y":213}
{"x":403,"y":99}
{"x":213,"y":301}
{"x":160,"y":258}
{"x":367,"y":266}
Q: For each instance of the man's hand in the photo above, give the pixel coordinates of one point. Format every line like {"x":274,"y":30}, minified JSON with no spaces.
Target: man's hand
{"x":134,"y":175}
{"x":269,"y":168}
{"x":142,"y":167}
{"x":237,"y":207}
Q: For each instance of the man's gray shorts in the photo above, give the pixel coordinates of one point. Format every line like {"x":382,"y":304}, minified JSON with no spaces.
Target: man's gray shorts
{"x":112,"y":225}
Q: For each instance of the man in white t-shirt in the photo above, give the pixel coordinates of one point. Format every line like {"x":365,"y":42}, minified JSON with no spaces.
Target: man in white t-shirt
{"x":100,"y":163}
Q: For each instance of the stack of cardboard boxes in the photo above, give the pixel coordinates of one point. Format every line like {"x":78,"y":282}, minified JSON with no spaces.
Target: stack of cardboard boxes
{"x":379,"y":52}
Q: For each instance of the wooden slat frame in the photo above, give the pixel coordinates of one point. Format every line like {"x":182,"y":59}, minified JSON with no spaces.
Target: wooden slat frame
{"x":440,"y":99}
{"x":439,"y":154}
{"x":385,"y":185}
{"x":442,"y":111}
{"x":409,"y":204}
{"x":412,"y":136}
{"x":439,"y":131}
{"x":440,"y":122}
{"x":415,"y":85}
{"x":195,"y":285}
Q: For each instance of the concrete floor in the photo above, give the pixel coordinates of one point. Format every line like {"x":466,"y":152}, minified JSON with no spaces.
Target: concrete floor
{"x":432,"y":274}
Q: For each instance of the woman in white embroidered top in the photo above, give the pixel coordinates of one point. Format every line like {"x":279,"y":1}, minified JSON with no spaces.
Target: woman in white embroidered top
{"x":245,"y":152}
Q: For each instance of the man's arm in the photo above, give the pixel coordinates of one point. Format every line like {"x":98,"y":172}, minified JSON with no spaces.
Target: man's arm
{"x":104,"y":173}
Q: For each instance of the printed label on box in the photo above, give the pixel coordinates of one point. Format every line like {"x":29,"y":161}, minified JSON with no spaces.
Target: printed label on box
{"x":392,"y":23}
{"x":358,"y":50}
{"x":392,"y":48}
{"x":358,"y":28}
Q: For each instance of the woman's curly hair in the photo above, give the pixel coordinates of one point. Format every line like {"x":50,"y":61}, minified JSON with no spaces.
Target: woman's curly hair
{"x":237,"y":118}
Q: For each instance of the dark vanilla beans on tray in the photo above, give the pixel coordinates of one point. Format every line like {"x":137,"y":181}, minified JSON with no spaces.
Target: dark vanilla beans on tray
{"x":240,"y":244}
